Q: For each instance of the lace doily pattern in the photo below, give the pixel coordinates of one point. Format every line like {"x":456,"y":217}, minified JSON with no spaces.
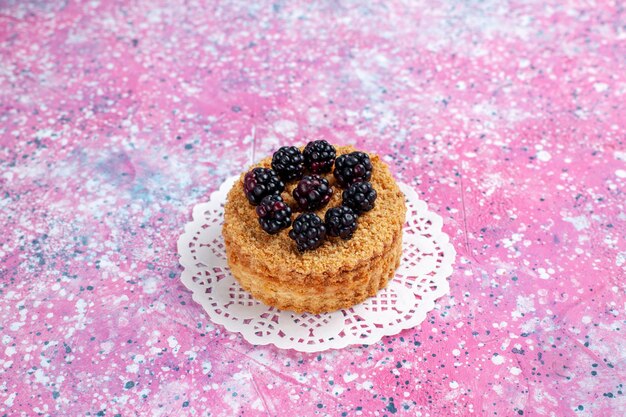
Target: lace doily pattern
{"x":426,"y":264}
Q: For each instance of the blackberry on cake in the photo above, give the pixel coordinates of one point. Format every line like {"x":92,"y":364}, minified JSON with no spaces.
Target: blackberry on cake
{"x":312,"y":192}
{"x":308,"y":231}
{"x":340,"y":222}
{"x":274,"y":214}
{"x":360,"y":197}
{"x":319,"y":156}
{"x":261,"y":182}
{"x":353,"y":167}
{"x":288,"y":163}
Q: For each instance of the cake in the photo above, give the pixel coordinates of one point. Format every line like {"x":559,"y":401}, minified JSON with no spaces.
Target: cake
{"x":342,"y":271}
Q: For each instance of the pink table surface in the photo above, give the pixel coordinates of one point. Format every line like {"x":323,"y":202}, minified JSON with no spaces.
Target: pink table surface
{"x":116,"y":118}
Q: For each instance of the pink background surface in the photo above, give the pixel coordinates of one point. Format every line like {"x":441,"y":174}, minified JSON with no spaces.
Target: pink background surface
{"x":116,"y":118}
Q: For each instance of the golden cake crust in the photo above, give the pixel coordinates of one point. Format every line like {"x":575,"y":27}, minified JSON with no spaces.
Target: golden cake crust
{"x":338,"y":274}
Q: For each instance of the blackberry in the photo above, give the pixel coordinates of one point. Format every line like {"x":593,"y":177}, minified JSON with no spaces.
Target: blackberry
{"x":340,"y":221}
{"x":274,"y":214}
{"x":288,"y":163}
{"x":360,"y":197}
{"x":353,"y":167}
{"x":319,"y":156}
{"x":261,"y":182}
{"x":312,"y":192}
{"x":308,"y":231}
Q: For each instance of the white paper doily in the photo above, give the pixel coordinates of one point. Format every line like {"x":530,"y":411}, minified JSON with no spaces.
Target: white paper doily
{"x":427,"y":258}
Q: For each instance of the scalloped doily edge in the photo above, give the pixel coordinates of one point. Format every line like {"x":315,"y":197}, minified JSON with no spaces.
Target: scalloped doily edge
{"x":248,"y":334}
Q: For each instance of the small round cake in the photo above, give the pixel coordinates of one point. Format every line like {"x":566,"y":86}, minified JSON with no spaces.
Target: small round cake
{"x":304,"y":265}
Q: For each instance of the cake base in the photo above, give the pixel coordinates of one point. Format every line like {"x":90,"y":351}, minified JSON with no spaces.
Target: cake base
{"x":355,"y":286}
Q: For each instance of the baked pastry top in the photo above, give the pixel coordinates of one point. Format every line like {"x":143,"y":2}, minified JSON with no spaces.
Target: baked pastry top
{"x":275,"y":259}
